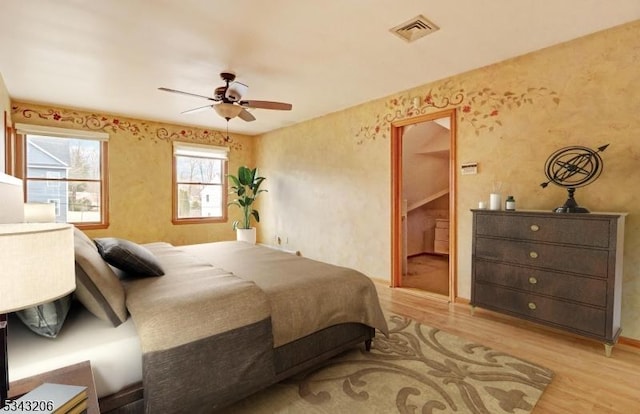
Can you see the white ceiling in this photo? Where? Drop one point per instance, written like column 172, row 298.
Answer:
column 321, row 56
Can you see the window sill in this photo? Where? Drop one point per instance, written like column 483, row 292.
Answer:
column 199, row 220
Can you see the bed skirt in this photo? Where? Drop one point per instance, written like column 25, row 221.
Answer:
column 289, row 360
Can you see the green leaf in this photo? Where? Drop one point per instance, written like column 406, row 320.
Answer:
column 256, row 183
column 235, row 181
column 255, row 215
column 245, row 175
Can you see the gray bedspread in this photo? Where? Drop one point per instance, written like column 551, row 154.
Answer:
column 305, row 295
column 202, row 345
column 208, row 327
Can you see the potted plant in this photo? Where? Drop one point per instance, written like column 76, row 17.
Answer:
column 246, row 188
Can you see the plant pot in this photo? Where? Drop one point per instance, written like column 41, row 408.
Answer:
column 246, row 235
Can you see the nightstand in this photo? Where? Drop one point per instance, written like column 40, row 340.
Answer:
column 77, row 374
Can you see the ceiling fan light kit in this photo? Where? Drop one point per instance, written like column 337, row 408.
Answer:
column 227, row 110
column 229, row 97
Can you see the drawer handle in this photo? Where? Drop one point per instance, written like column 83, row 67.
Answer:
column 533, row 280
column 534, row 227
column 532, row 306
column 533, row 255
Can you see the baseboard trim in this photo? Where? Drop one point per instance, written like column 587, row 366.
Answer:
column 629, row 342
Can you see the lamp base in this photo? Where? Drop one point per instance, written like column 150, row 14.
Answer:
column 570, row 206
column 4, row 363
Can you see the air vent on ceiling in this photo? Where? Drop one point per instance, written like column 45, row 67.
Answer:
column 415, row 28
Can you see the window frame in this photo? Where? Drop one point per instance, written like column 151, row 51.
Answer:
column 22, row 130
column 204, row 149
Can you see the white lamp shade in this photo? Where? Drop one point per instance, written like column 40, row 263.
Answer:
column 39, row 212
column 11, row 194
column 37, row 262
column 227, row 110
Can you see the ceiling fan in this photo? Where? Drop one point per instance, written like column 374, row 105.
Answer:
column 228, row 100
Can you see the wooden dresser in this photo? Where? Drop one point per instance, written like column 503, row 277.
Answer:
column 559, row 269
column 441, row 239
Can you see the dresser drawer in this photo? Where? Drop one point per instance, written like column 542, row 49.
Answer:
column 568, row 315
column 560, row 285
column 560, row 229
column 590, row 262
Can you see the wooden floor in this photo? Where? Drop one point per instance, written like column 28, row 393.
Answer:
column 428, row 272
column 585, row 380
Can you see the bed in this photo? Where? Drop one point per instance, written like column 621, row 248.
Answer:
column 221, row 322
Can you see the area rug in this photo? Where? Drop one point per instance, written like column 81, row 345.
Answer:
column 418, row 369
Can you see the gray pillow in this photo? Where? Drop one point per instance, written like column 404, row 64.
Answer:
column 97, row 287
column 133, row 259
column 46, row 319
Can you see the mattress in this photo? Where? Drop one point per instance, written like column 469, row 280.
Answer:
column 115, row 353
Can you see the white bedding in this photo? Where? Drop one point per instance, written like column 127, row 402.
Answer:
column 115, row 353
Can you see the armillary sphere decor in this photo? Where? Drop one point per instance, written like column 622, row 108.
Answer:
column 573, row 167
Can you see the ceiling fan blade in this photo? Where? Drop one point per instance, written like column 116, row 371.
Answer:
column 236, row 91
column 267, row 105
column 198, row 109
column 187, row 93
column 246, row 115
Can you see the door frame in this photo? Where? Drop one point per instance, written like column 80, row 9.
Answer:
column 397, row 129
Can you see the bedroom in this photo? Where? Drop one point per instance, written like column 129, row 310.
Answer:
column 598, row 101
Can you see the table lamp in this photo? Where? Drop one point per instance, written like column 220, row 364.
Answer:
column 11, row 194
column 36, row 264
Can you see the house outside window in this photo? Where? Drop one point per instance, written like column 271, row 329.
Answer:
column 68, row 168
column 53, row 176
column 200, row 189
column 56, row 203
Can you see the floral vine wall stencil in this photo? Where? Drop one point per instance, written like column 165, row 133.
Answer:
column 114, row 125
column 444, row 96
column 480, row 108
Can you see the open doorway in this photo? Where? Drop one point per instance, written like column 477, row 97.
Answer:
column 423, row 204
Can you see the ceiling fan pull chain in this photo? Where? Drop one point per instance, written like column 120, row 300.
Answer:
column 227, row 139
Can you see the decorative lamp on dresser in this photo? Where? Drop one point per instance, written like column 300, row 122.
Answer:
column 561, row 270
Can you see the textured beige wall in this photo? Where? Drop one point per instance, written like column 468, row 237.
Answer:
column 140, row 157
column 330, row 177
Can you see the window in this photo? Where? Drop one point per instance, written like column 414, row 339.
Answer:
column 53, row 182
column 67, row 167
column 200, row 190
